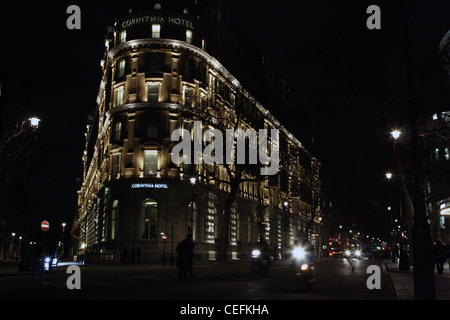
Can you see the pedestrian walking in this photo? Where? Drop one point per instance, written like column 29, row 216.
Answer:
column 185, row 259
column 439, row 256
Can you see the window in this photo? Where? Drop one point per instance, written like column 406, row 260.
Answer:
column 447, row 155
column 203, row 44
column 435, row 116
column 118, row 100
column 114, row 219
column 152, row 127
column 192, row 220
column 115, row 166
column 150, row 162
column 149, row 219
column 123, row 36
column 156, row 31
column 117, row 130
column 211, row 220
column 436, row 153
column 188, row 93
column 157, row 5
column 234, row 225
column 153, row 92
column 121, row 68
column 189, row 36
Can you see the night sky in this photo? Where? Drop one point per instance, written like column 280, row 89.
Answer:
column 342, row 74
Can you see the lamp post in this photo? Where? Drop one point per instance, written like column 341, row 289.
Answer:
column 25, row 257
column 389, row 177
column 193, row 181
column 403, row 263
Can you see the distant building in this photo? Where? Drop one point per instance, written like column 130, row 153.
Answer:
column 162, row 71
column 436, row 132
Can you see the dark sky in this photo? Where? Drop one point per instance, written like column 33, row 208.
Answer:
column 342, row 74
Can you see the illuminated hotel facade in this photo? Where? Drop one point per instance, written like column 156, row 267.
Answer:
column 159, row 74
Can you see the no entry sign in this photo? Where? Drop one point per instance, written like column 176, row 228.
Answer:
column 45, row 225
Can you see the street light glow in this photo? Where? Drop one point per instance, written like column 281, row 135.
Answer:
column 193, row 180
column 388, row 175
column 34, row 122
column 396, row 134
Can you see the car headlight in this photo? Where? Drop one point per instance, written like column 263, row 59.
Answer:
column 304, row 267
column 256, row 253
column 358, row 253
column 347, row 252
column 299, row 253
column 47, row 260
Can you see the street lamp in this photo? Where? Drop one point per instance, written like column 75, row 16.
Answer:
column 34, row 122
column 26, row 258
column 396, row 134
column 389, row 177
column 403, row 263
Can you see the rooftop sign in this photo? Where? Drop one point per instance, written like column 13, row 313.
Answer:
column 156, row 19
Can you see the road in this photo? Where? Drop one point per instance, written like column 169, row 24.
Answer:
column 335, row 280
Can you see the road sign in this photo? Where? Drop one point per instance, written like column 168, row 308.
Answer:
column 45, row 225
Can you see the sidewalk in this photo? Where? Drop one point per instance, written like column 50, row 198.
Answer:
column 403, row 281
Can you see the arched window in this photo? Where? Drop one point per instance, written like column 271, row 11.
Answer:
column 149, row 219
column 234, row 225
column 211, row 220
column 192, row 220
column 114, row 219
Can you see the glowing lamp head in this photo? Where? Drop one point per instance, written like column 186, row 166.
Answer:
column 388, row 175
column 34, row 122
column 193, row 180
column 396, row 134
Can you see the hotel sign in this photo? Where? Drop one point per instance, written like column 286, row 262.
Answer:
column 157, row 19
column 149, row 186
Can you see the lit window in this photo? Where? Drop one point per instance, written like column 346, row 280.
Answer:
column 186, row 11
column 114, row 219
column 156, row 31
column 150, row 162
column 121, row 69
column 158, row 5
column 119, row 97
column 203, row 44
column 123, row 36
column 153, row 92
column 189, row 36
column 149, row 222
column 115, row 166
column 447, row 155
column 436, row 153
column 118, row 130
column 435, row 116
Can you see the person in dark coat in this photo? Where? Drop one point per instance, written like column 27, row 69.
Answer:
column 185, row 259
column 440, row 256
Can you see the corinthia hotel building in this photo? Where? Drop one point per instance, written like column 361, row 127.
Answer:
column 161, row 72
